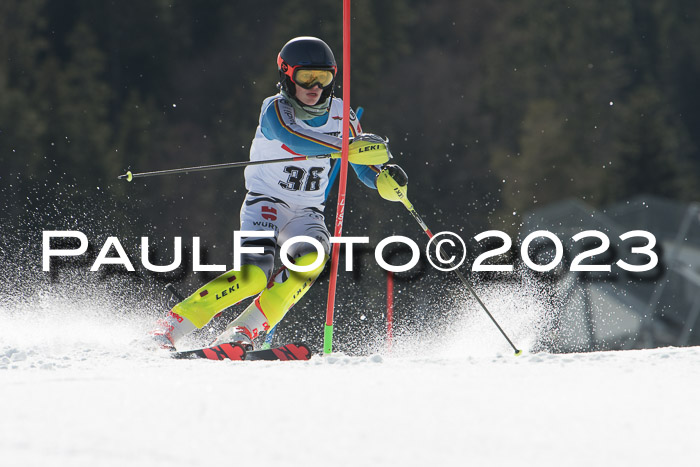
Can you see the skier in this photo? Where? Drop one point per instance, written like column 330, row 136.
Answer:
column 286, row 199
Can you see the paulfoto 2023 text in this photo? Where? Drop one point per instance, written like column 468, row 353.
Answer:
column 647, row 257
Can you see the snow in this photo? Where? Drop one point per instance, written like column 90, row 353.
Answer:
column 75, row 390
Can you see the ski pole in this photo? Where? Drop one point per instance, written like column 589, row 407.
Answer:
column 399, row 194
column 367, row 156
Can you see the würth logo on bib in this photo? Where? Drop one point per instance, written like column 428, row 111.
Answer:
column 269, row 213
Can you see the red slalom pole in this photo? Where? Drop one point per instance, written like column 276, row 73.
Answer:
column 340, row 212
column 389, row 309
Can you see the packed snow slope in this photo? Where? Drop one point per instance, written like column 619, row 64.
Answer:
column 75, row 390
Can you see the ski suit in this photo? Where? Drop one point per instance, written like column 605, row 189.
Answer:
column 288, row 200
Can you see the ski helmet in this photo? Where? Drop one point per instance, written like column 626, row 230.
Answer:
column 307, row 61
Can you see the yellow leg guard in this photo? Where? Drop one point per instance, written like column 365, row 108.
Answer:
column 278, row 299
column 221, row 293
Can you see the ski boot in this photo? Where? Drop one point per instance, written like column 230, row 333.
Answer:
column 236, row 335
column 169, row 330
column 246, row 327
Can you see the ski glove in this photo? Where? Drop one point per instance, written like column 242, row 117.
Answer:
column 369, row 147
column 392, row 183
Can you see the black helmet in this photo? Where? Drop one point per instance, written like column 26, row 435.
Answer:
column 306, row 53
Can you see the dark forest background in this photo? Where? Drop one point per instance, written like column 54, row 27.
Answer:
column 492, row 107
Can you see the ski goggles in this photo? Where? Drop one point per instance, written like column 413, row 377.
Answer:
column 308, row 78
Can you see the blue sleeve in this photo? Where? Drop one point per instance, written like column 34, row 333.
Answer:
column 278, row 124
column 366, row 174
column 368, row 177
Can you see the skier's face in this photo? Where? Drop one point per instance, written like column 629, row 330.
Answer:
column 308, row 96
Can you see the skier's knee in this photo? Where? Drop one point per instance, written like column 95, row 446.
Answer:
column 312, row 258
column 301, row 248
column 264, row 260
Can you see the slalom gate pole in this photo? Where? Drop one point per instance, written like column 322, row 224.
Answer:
column 328, row 329
column 466, row 283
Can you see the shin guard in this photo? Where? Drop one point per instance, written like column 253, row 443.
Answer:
column 279, row 297
column 221, row 293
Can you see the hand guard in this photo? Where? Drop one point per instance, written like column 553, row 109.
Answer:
column 392, row 183
column 368, row 146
